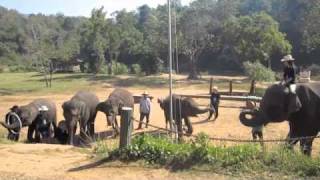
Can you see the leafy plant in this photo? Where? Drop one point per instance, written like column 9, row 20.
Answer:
column 258, row 72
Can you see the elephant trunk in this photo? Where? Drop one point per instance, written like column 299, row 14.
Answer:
column 197, row 110
column 256, row 119
column 15, row 125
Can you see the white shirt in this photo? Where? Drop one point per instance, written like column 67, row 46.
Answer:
column 145, row 105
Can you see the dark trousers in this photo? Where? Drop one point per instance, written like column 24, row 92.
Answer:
column 257, row 134
column 215, row 111
column 142, row 115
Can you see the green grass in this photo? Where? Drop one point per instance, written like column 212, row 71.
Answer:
column 199, row 154
column 25, row 83
column 15, row 83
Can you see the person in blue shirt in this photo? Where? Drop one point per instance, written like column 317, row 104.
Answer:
column 214, row 103
column 145, row 109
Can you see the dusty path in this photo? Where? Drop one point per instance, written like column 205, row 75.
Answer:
column 44, row 161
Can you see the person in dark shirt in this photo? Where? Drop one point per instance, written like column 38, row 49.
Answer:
column 290, row 71
column 214, row 103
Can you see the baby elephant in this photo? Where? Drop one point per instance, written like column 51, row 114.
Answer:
column 61, row 132
column 81, row 108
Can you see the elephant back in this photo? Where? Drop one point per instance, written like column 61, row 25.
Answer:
column 121, row 97
column 88, row 98
column 52, row 109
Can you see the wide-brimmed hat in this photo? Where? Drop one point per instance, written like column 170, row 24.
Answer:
column 145, row 93
column 215, row 89
column 287, row 58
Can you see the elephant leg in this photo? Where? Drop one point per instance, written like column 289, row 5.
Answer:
column 31, row 130
column 306, row 146
column 37, row 135
column 117, row 129
column 290, row 142
column 188, row 124
column 91, row 125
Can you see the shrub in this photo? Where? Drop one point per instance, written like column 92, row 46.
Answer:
column 258, row 72
column 119, row 68
column 136, row 69
column 2, row 69
column 239, row 158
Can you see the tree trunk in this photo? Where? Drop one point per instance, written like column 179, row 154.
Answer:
column 193, row 74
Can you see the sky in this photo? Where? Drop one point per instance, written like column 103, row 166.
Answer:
column 77, row 7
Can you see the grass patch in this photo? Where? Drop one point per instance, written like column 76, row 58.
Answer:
column 199, row 154
column 26, row 83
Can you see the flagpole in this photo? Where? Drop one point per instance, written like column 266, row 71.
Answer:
column 170, row 63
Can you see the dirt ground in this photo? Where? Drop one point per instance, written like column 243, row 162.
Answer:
column 47, row 161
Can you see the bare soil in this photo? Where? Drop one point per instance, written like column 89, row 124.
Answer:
column 48, row 161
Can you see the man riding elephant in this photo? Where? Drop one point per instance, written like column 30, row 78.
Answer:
column 301, row 110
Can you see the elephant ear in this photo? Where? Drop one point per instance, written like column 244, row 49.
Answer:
column 294, row 103
column 14, row 108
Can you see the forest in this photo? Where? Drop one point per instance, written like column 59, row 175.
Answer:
column 213, row 36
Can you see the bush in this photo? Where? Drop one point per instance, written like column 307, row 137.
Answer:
column 20, row 68
column 2, row 69
column 136, row 69
column 119, row 68
column 243, row 158
column 258, row 72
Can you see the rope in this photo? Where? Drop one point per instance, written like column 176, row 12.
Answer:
column 239, row 140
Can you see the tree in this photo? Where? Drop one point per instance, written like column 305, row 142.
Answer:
column 93, row 43
column 195, row 37
column 254, row 38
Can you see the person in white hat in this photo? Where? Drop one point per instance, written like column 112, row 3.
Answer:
column 145, row 109
column 214, row 103
column 290, row 70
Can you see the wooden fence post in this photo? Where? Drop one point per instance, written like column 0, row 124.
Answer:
column 210, row 88
column 253, row 87
column 230, row 87
column 126, row 127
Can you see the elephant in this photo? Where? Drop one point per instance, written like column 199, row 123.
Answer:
column 61, row 132
column 182, row 108
column 80, row 108
column 300, row 108
column 30, row 115
column 112, row 106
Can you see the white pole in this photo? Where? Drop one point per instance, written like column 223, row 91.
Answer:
column 175, row 36
column 170, row 63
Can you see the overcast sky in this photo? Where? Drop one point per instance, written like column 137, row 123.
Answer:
column 77, row 7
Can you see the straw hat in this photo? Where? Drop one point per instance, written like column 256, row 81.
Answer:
column 214, row 89
column 287, row 58
column 145, row 93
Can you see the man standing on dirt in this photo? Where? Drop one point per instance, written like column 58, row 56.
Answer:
column 214, row 103
column 145, row 108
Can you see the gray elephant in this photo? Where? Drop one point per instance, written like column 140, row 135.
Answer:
column 182, row 108
column 31, row 115
column 112, row 106
column 81, row 108
column 300, row 109
column 61, row 132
